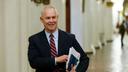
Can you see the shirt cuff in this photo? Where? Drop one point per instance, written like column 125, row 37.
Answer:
column 55, row 62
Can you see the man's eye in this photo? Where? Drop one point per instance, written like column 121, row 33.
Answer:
column 47, row 17
column 54, row 17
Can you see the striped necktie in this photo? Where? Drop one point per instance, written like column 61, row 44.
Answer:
column 53, row 47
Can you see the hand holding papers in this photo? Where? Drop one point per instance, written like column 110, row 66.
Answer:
column 73, row 59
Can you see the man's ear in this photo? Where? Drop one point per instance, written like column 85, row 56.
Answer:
column 41, row 18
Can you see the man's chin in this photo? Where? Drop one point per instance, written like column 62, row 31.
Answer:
column 52, row 30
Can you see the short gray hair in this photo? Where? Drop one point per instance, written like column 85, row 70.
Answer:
column 49, row 7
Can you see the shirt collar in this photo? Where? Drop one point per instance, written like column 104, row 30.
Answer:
column 54, row 33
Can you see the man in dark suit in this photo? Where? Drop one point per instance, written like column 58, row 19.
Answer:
column 122, row 31
column 123, row 28
column 39, row 51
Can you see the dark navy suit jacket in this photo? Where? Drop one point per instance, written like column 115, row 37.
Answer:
column 39, row 52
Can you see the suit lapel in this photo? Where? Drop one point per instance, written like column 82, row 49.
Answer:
column 60, row 43
column 44, row 43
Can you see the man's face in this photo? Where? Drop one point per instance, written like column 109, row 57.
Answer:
column 126, row 18
column 49, row 18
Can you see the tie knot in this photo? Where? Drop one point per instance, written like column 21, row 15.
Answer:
column 51, row 35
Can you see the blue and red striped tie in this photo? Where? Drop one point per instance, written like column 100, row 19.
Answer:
column 53, row 47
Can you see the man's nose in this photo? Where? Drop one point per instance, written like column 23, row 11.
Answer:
column 51, row 19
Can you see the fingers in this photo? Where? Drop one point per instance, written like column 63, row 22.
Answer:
column 67, row 71
column 62, row 58
column 73, row 68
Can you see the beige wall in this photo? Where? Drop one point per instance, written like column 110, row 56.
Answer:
column 2, row 56
column 98, row 21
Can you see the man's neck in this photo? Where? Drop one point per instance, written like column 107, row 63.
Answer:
column 51, row 31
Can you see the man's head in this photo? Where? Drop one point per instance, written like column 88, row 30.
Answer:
column 49, row 18
column 126, row 17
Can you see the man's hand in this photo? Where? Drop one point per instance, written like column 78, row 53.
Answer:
column 61, row 59
column 73, row 69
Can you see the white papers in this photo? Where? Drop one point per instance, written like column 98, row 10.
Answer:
column 73, row 59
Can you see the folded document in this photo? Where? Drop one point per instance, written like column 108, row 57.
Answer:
column 73, row 59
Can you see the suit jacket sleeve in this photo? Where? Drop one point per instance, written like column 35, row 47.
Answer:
column 36, row 61
column 84, row 60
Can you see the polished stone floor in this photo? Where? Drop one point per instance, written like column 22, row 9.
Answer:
column 110, row 58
